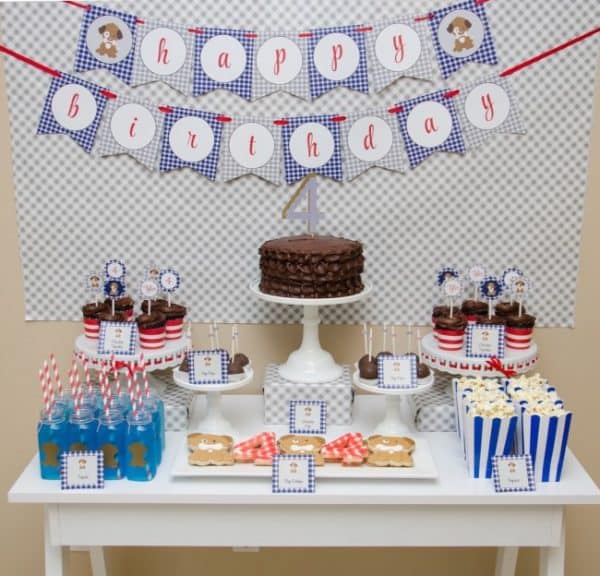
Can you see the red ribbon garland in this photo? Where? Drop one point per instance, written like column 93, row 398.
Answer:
column 118, row 364
column 495, row 364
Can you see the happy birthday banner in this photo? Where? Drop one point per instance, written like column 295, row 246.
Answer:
column 340, row 147
column 366, row 57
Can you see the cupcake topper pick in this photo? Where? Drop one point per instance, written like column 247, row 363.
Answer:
column 149, row 291
column 113, row 289
column 445, row 274
column 169, row 281
column 491, row 289
column 93, row 283
column 476, row 275
column 153, row 272
column 508, row 277
column 452, row 289
column 115, row 270
column 519, row 289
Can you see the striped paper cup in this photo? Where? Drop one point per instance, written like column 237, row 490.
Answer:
column 486, row 438
column 91, row 328
column 518, row 338
column 174, row 328
column 546, row 438
column 450, row 340
column 152, row 338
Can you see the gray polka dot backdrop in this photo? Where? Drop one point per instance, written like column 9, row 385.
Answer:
column 516, row 200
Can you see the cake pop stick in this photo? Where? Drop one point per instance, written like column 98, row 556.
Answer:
column 216, row 333
column 419, row 343
column 370, row 343
column 394, row 340
column 365, row 337
column 409, row 337
column 384, row 330
column 211, row 338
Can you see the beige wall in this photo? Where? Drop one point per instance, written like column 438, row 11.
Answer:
column 565, row 359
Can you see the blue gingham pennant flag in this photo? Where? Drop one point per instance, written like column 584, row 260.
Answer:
column 461, row 33
column 371, row 139
column 106, row 40
column 73, row 107
column 311, row 144
column 280, row 64
column 164, row 52
column 429, row 124
column 251, row 146
column 190, row 143
column 223, row 59
column 488, row 107
column 133, row 128
column 398, row 48
column 337, row 57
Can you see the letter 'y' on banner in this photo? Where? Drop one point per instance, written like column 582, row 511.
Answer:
column 461, row 33
column 106, row 40
column 488, row 107
column 73, row 107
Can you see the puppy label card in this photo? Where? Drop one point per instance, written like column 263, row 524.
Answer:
column 513, row 474
column 82, row 470
column 485, row 341
column 293, row 474
column 308, row 417
column 118, row 338
column 397, row 372
column 208, row 367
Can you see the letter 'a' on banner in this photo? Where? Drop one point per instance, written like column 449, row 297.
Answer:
column 191, row 138
column 337, row 57
column 133, row 128
column 251, row 146
column 461, row 33
column 223, row 59
column 73, row 107
column 106, row 40
column 398, row 48
column 488, row 107
column 429, row 124
column 311, row 144
column 165, row 53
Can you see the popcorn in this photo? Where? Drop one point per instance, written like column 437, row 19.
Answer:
column 478, row 383
column 526, row 383
column 494, row 409
column 545, row 409
column 534, row 395
column 483, row 395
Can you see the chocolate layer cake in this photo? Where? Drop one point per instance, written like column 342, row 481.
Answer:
column 311, row 267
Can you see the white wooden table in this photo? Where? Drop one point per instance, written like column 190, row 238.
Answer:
column 452, row 510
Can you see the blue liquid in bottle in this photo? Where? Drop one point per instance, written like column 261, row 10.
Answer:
column 52, row 442
column 141, row 448
column 112, row 440
column 82, row 434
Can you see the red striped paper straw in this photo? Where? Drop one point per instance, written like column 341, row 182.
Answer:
column 145, row 377
column 130, row 385
column 49, row 387
column 86, row 371
column 44, row 392
column 59, row 386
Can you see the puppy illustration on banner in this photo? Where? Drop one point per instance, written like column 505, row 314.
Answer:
column 191, row 138
column 73, row 107
column 223, row 59
column 396, row 49
column 106, row 40
column 280, row 64
column 165, row 53
column 311, row 144
column 251, row 146
column 428, row 124
column 461, row 33
column 372, row 140
column 133, row 128
column 337, row 57
column 488, row 107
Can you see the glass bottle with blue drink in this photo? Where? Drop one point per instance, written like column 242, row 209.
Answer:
column 141, row 446
column 112, row 440
column 52, row 441
column 82, row 434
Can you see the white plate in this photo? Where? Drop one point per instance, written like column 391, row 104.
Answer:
column 423, row 384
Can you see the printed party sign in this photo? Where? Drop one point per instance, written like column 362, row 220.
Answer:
column 308, row 417
column 82, row 470
column 397, row 372
column 293, row 474
column 118, row 338
column 485, row 341
column 513, row 473
column 208, row 367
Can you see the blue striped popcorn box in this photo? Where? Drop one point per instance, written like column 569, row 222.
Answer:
column 545, row 437
column 485, row 438
column 462, row 388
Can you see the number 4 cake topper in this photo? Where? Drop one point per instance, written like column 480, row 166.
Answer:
column 306, row 191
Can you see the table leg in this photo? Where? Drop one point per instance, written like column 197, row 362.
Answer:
column 506, row 561
column 97, row 561
column 56, row 558
column 552, row 560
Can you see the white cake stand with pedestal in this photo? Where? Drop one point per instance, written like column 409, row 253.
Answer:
column 211, row 420
column 398, row 419
column 310, row 363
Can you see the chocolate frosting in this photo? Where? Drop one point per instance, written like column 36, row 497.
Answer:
column 108, row 317
column 457, row 322
column 496, row 320
column 440, row 311
column 122, row 304
column 92, row 310
column 474, row 307
column 522, row 321
column 507, row 309
column 156, row 304
column 154, row 320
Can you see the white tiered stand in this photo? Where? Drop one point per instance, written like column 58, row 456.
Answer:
column 310, row 363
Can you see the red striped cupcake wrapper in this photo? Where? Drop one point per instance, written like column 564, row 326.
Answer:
column 152, row 338
column 174, row 328
column 91, row 328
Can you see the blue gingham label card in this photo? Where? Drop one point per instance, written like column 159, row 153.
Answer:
column 107, row 40
column 293, row 474
column 82, row 470
column 513, row 473
column 485, row 341
column 397, row 372
column 461, row 33
column 308, row 417
column 208, row 367
column 118, row 338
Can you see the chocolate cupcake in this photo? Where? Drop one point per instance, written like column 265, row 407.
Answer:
column 92, row 309
column 458, row 322
column 450, row 332
column 522, row 321
column 519, row 331
column 473, row 308
column 505, row 309
column 155, row 319
column 157, row 304
column 91, row 322
column 175, row 314
column 440, row 311
column 495, row 320
column 108, row 316
column 123, row 305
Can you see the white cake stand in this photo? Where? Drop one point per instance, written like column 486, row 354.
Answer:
column 212, row 420
column 310, row 363
column 398, row 419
